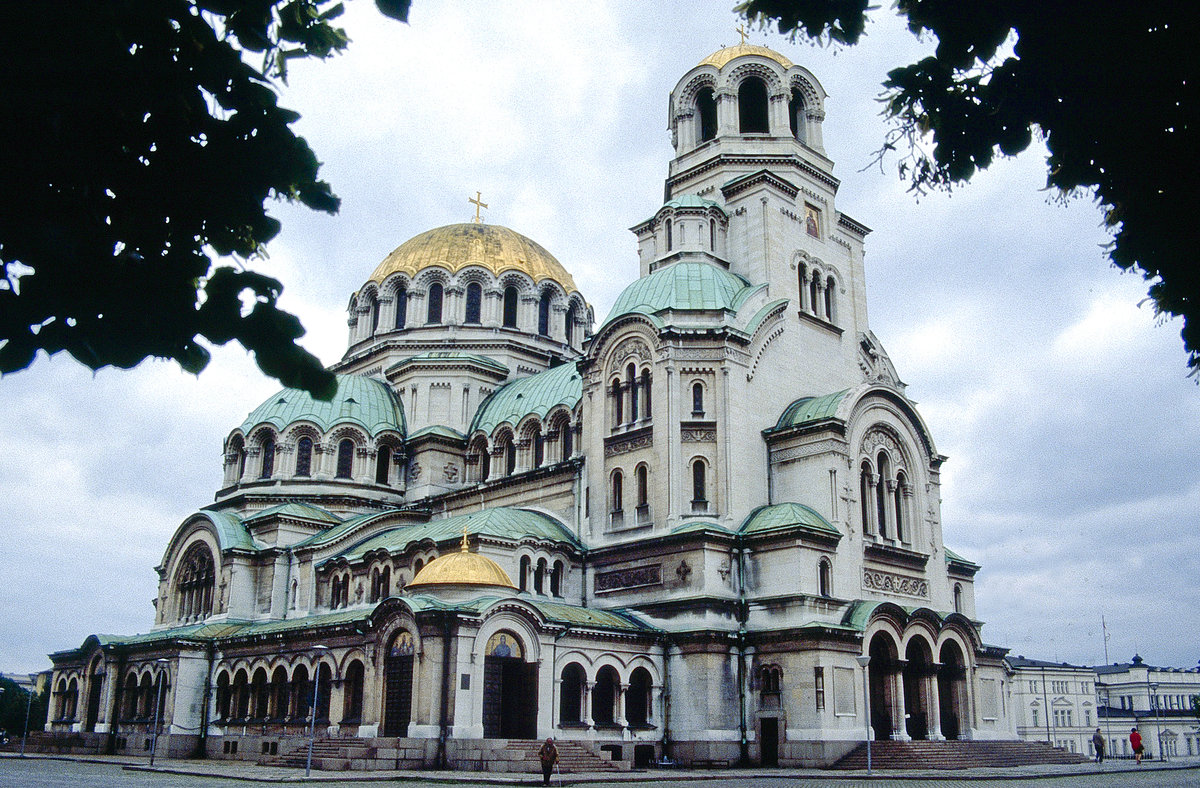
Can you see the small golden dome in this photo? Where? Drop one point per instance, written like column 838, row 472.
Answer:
column 462, row 568
column 491, row 246
column 724, row 55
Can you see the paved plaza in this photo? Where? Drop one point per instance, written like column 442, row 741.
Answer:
column 56, row 772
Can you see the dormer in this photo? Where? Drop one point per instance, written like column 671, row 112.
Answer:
column 687, row 229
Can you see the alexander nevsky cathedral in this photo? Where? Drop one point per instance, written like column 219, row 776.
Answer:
column 675, row 532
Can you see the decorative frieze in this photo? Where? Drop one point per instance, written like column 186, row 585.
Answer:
column 889, row 583
column 630, row 441
column 698, row 434
column 632, row 577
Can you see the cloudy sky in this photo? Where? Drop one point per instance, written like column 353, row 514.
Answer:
column 1064, row 407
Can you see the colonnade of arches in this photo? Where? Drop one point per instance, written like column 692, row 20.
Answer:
column 630, row 396
column 284, row 694
column 817, row 292
column 924, row 694
column 605, row 697
column 885, row 495
column 303, row 452
column 535, row 442
column 472, row 296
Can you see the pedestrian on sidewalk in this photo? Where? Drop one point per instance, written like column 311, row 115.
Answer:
column 1135, row 742
column 549, row 756
column 1098, row 743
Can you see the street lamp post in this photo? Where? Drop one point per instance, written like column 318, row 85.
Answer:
column 1162, row 754
column 1104, row 696
column 162, row 688
column 863, row 662
column 28, row 707
column 312, row 722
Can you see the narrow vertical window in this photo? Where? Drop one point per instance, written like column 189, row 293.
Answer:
column 567, row 440
column 829, row 299
column 819, row 687
column 697, row 399
column 699, row 494
column 645, row 394
column 864, row 495
column 706, row 108
column 510, row 307
column 485, row 464
column 304, row 452
column 617, row 492
column 813, row 297
column 632, row 387
column 801, row 276
column 618, row 403
column 796, row 115
column 569, row 325
column 345, row 459
column 474, row 303
column 382, row 459
column 712, row 235
column 544, row 314
column 898, row 501
column 433, row 313
column 539, row 449
column 526, row 567
column 374, row 316
column 670, row 239
column 881, row 497
column 752, row 107
column 401, row 306
column 643, row 486
column 958, row 607
column 510, row 458
column 268, row 459
column 824, row 578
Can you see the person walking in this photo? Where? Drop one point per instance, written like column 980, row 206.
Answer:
column 1135, row 742
column 549, row 756
column 1098, row 744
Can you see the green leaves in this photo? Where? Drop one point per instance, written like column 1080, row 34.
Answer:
column 123, row 183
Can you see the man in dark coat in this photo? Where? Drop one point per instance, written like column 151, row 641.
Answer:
column 549, row 756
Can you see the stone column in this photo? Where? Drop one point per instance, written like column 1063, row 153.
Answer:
column 901, row 733
column 935, row 704
column 619, row 717
column 586, row 716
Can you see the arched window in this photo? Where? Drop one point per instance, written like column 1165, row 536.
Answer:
column 670, row 237
column 556, row 578
column 345, row 458
column 801, row 277
column 374, row 307
column 131, row 695
column 813, row 298
column 958, row 606
column 706, row 108
column 643, row 486
column 526, row 571
column 712, row 235
column 279, row 693
column 645, row 394
column 881, row 498
column 241, row 695
column 194, row 583
column 510, row 458
column 569, row 325
column 539, row 576
column 240, row 449
column 539, row 449
column 864, row 495
column 260, row 692
column 770, row 679
column 544, row 314
column 474, row 303
column 352, row 693
column 752, row 107
column 697, row 399
column 510, row 307
column 433, row 313
column 485, row 464
column 268, row 459
column 301, row 699
column 604, row 695
column 618, row 403
column 567, row 436
column 401, row 306
column 570, row 704
column 632, row 387
column 223, row 697
column 617, row 502
column 796, row 115
column 383, row 459
column 898, row 505
column 824, row 577
column 304, row 452
column 699, row 493
column 829, row 288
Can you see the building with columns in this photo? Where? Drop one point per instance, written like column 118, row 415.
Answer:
column 671, row 532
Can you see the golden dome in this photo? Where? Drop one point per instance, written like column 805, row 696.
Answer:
column 455, row 246
column 725, row 54
column 462, row 568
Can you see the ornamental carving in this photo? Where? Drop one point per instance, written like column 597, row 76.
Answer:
column 635, row 441
column 450, row 472
column 880, row 437
column 633, row 577
column 889, row 583
column 700, row 435
column 630, row 347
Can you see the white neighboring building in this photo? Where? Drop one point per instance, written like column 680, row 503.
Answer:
column 1163, row 703
column 684, row 528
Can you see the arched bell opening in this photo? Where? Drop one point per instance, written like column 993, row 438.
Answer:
column 510, row 697
column 918, row 672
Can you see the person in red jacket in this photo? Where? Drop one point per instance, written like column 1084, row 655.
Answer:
column 1135, row 741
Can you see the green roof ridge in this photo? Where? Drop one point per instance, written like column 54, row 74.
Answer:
column 787, row 515
column 683, row 286
column 809, row 409
column 368, row 402
column 537, row 394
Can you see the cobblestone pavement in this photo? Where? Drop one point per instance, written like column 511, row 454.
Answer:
column 58, row 773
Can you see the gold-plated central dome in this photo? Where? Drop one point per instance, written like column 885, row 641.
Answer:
column 723, row 56
column 491, row 246
column 462, row 568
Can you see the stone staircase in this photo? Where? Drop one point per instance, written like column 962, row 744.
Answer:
column 327, row 755
column 955, row 755
column 573, row 757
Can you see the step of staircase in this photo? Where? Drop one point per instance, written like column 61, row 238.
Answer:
column 573, row 757
column 520, row 755
column 956, row 755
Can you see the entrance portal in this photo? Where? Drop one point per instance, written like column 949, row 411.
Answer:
column 917, row 671
column 883, row 685
column 509, row 690
column 93, row 707
column 397, row 685
column 951, row 681
column 768, row 730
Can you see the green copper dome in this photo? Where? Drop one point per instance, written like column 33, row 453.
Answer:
column 366, row 402
column 687, row 286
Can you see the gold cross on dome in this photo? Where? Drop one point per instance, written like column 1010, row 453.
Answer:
column 478, row 202
column 741, row 31
column 464, row 539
